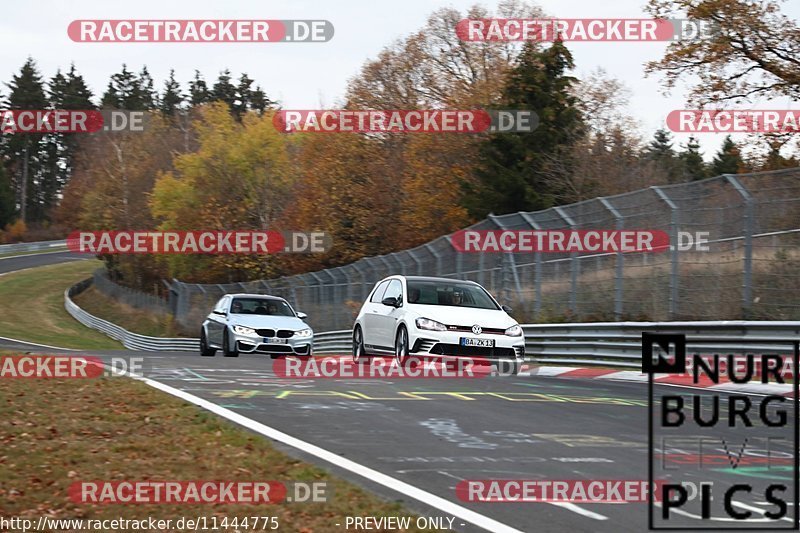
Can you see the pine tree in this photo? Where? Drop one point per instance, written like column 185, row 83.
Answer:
column 128, row 91
column 662, row 154
column 223, row 90
column 728, row 160
column 198, row 90
column 244, row 94
column 8, row 207
column 259, row 101
column 693, row 165
column 171, row 99
column 513, row 172
column 24, row 150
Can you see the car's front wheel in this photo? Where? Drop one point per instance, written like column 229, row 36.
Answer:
column 401, row 346
column 227, row 351
column 358, row 345
column 205, row 351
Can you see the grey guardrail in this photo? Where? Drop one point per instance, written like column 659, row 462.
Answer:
column 132, row 341
column 31, row 246
column 619, row 344
column 614, row 344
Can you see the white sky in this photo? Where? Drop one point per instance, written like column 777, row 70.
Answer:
column 308, row 75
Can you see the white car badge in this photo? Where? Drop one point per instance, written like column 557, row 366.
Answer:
column 476, row 329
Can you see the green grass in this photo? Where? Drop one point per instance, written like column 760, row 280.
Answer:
column 32, row 307
column 135, row 320
column 55, row 432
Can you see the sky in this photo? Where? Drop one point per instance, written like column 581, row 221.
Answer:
column 312, row 75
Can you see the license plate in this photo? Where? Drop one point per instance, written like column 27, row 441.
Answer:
column 274, row 340
column 482, row 343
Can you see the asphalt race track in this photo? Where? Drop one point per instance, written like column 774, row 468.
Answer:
column 432, row 433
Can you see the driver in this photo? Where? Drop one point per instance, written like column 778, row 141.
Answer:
column 236, row 307
column 457, row 297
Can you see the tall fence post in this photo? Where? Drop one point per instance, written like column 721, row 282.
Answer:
column 674, row 260
column 574, row 266
column 618, row 274
column 749, row 220
column 537, row 273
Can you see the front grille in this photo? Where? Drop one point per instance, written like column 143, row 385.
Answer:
column 441, row 348
column 281, row 333
column 468, row 329
column 275, row 348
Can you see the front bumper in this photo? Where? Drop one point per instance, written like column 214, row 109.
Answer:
column 448, row 344
column 256, row 344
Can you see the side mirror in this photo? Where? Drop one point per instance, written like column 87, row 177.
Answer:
column 507, row 309
column 391, row 301
column 301, row 316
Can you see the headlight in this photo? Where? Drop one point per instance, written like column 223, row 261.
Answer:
column 243, row 330
column 303, row 333
column 427, row 323
column 514, row 331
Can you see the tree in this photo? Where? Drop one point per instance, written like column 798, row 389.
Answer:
column 514, row 173
column 171, row 99
column 728, row 160
column 198, row 90
column 128, row 91
column 223, row 90
column 25, row 149
column 661, row 153
column 693, row 165
column 8, row 207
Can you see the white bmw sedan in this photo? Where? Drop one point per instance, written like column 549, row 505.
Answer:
column 436, row 317
column 255, row 323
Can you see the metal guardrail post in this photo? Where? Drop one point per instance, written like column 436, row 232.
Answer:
column 674, row 279
column 749, row 220
column 459, row 259
column 437, row 256
column 574, row 266
column 416, row 260
column 618, row 274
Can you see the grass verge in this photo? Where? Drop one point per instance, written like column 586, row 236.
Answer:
column 135, row 320
column 32, row 307
column 56, row 432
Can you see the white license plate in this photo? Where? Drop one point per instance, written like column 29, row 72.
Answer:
column 274, row 340
column 482, row 343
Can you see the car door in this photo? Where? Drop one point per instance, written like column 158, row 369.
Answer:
column 217, row 321
column 371, row 310
column 387, row 316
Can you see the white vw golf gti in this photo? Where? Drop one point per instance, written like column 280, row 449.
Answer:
column 436, row 317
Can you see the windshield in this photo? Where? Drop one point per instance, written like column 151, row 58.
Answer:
column 260, row 306
column 451, row 293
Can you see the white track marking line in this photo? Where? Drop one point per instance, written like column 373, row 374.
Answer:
column 373, row 475
column 580, row 510
column 40, row 253
column 41, row 345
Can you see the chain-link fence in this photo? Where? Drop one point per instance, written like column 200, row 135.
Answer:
column 748, row 272
column 138, row 299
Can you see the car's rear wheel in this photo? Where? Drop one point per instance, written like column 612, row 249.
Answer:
column 227, row 351
column 401, row 346
column 358, row 345
column 205, row 351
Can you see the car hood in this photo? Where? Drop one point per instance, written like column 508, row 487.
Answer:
column 265, row 321
column 464, row 316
